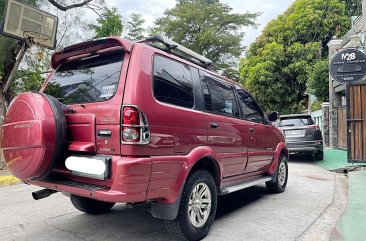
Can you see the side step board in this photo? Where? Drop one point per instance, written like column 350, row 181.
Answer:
column 227, row 190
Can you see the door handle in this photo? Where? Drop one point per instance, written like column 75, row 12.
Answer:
column 214, row 125
column 353, row 120
column 252, row 130
column 104, row 134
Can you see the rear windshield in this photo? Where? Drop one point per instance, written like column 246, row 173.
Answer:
column 296, row 121
column 91, row 79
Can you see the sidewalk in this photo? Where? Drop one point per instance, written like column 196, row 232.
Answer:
column 336, row 159
column 353, row 221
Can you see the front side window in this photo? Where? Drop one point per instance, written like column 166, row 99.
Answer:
column 223, row 100
column 173, row 82
column 91, row 79
column 250, row 109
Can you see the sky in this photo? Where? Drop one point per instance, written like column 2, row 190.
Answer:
column 152, row 9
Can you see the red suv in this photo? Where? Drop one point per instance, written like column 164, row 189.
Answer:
column 143, row 123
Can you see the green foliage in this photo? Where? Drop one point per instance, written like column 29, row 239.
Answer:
column 278, row 65
column 209, row 28
column 317, row 105
column 8, row 47
column 135, row 29
column 318, row 83
column 29, row 79
column 354, row 7
column 108, row 24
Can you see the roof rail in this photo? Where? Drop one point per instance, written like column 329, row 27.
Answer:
column 178, row 50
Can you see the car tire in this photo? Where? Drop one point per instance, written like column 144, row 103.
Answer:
column 195, row 217
column 90, row 206
column 319, row 156
column 281, row 177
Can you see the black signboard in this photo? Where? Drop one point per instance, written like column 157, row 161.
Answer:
column 348, row 66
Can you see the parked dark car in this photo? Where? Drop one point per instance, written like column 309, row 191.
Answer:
column 302, row 135
column 143, row 125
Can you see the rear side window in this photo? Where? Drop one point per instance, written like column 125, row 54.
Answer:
column 173, row 82
column 87, row 80
column 250, row 109
column 223, row 100
column 206, row 96
column 296, row 121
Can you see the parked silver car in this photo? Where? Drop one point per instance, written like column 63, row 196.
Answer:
column 302, row 135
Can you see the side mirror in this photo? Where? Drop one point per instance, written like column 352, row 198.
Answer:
column 273, row 116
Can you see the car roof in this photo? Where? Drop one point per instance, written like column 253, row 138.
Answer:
column 292, row 116
column 209, row 71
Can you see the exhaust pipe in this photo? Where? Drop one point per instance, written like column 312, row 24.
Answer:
column 42, row 193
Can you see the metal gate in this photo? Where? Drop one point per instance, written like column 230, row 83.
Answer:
column 356, row 122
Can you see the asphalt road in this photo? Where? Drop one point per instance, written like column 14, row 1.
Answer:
column 251, row 214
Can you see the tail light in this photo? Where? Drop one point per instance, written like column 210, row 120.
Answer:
column 316, row 127
column 135, row 128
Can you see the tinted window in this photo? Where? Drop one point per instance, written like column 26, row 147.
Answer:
column 206, row 96
column 222, row 98
column 86, row 80
column 173, row 82
column 250, row 109
column 296, row 121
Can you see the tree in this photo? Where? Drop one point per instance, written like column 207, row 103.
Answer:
column 209, row 28
column 94, row 5
column 318, row 83
column 9, row 46
column 30, row 78
column 278, row 65
column 8, row 50
column 354, row 7
column 109, row 24
column 135, row 29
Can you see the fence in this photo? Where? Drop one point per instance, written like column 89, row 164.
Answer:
column 318, row 118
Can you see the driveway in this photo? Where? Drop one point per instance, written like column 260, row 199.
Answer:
column 251, row 214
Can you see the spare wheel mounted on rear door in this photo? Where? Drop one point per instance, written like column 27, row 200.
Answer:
column 33, row 135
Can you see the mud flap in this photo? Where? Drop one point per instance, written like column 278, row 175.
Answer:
column 166, row 211
column 274, row 176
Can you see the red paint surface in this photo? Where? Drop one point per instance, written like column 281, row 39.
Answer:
column 179, row 137
column 28, row 136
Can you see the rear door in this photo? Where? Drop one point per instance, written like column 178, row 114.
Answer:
column 261, row 144
column 226, row 131
column 92, row 87
column 300, row 129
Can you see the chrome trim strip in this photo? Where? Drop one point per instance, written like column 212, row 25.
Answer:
column 244, row 185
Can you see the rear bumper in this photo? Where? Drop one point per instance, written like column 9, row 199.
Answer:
column 128, row 183
column 305, row 146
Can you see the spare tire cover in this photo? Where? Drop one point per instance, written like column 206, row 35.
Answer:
column 33, row 135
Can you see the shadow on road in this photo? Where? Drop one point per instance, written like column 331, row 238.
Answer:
column 123, row 223
column 301, row 158
column 237, row 200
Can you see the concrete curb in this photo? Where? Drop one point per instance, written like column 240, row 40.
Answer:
column 324, row 227
column 8, row 180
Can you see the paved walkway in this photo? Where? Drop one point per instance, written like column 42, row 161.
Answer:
column 353, row 222
column 336, row 159
column 248, row 215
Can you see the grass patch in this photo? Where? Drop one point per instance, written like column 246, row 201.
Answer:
column 8, row 180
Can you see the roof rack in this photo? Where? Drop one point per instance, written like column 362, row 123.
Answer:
column 178, row 50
